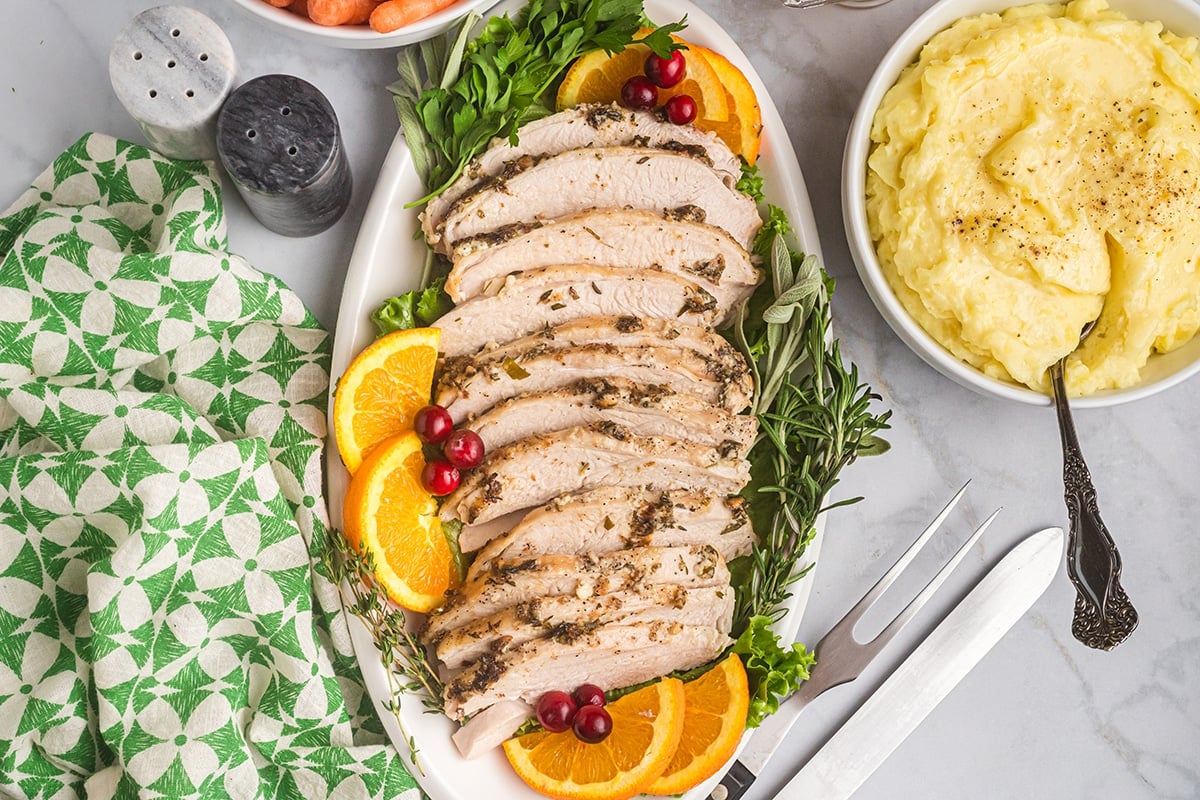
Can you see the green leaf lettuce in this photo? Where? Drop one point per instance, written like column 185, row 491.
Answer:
column 774, row 673
column 414, row 309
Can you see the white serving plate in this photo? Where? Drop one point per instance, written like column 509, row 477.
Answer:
column 387, row 260
column 1162, row 371
column 362, row 37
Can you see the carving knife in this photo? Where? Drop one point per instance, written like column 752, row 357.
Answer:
column 935, row 667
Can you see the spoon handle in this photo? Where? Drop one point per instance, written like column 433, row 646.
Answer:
column 1104, row 617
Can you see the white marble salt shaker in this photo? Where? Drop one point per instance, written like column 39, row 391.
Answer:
column 172, row 68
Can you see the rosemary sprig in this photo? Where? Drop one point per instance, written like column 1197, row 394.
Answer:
column 814, row 417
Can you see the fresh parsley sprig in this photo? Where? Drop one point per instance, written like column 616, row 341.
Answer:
column 455, row 94
column 751, row 182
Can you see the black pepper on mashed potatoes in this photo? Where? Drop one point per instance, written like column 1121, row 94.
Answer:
column 1035, row 170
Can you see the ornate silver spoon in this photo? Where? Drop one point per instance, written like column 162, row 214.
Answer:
column 1104, row 617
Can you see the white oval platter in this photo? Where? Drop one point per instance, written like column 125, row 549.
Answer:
column 387, row 261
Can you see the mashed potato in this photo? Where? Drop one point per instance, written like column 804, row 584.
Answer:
column 1035, row 170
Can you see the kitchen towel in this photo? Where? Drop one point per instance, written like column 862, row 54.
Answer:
column 167, row 625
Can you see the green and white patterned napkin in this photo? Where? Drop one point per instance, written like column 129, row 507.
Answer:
column 166, row 626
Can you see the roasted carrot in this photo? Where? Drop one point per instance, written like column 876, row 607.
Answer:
column 340, row 12
column 299, row 7
column 280, row 3
column 392, row 14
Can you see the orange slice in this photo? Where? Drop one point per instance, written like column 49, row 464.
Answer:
column 388, row 514
column 646, row 728
column 742, row 130
column 714, row 718
column 381, row 391
column 597, row 77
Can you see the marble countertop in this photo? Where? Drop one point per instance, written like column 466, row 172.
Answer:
column 1041, row 716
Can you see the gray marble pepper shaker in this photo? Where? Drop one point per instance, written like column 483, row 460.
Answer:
column 172, row 68
column 279, row 140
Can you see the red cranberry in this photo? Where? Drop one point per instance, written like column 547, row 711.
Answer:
column 592, row 724
column 639, row 92
column 433, row 424
column 440, row 478
column 681, row 109
column 589, row 694
column 556, row 711
column 666, row 72
column 463, row 449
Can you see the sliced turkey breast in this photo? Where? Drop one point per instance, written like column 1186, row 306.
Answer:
column 625, row 330
column 611, row 656
column 530, row 301
column 569, row 616
column 611, row 518
column 620, row 238
column 534, row 471
column 590, row 125
column 468, row 393
column 508, row 582
column 644, row 410
column 473, row 537
column 491, row 727
column 567, row 183
column 718, row 355
column 609, row 237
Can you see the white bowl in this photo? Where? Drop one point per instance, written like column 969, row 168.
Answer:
column 1161, row 372
column 362, row 37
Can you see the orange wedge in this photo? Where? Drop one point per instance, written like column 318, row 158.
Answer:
column 381, row 391
column 647, row 725
column 388, row 514
column 714, row 718
column 597, row 77
column 742, row 130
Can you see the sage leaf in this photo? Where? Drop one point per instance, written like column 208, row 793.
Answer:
column 408, row 66
column 459, row 38
column 414, row 134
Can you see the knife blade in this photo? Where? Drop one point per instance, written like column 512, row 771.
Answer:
column 935, row 667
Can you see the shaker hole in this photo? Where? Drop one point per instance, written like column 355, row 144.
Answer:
column 171, row 64
column 285, row 111
column 250, row 134
column 153, row 94
column 292, row 150
column 175, row 32
column 204, row 56
column 137, row 56
column 190, row 93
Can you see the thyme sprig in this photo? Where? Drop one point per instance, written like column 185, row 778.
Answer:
column 404, row 660
column 814, row 415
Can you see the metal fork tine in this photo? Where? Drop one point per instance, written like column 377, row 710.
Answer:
column 844, row 656
column 902, row 563
column 902, row 619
